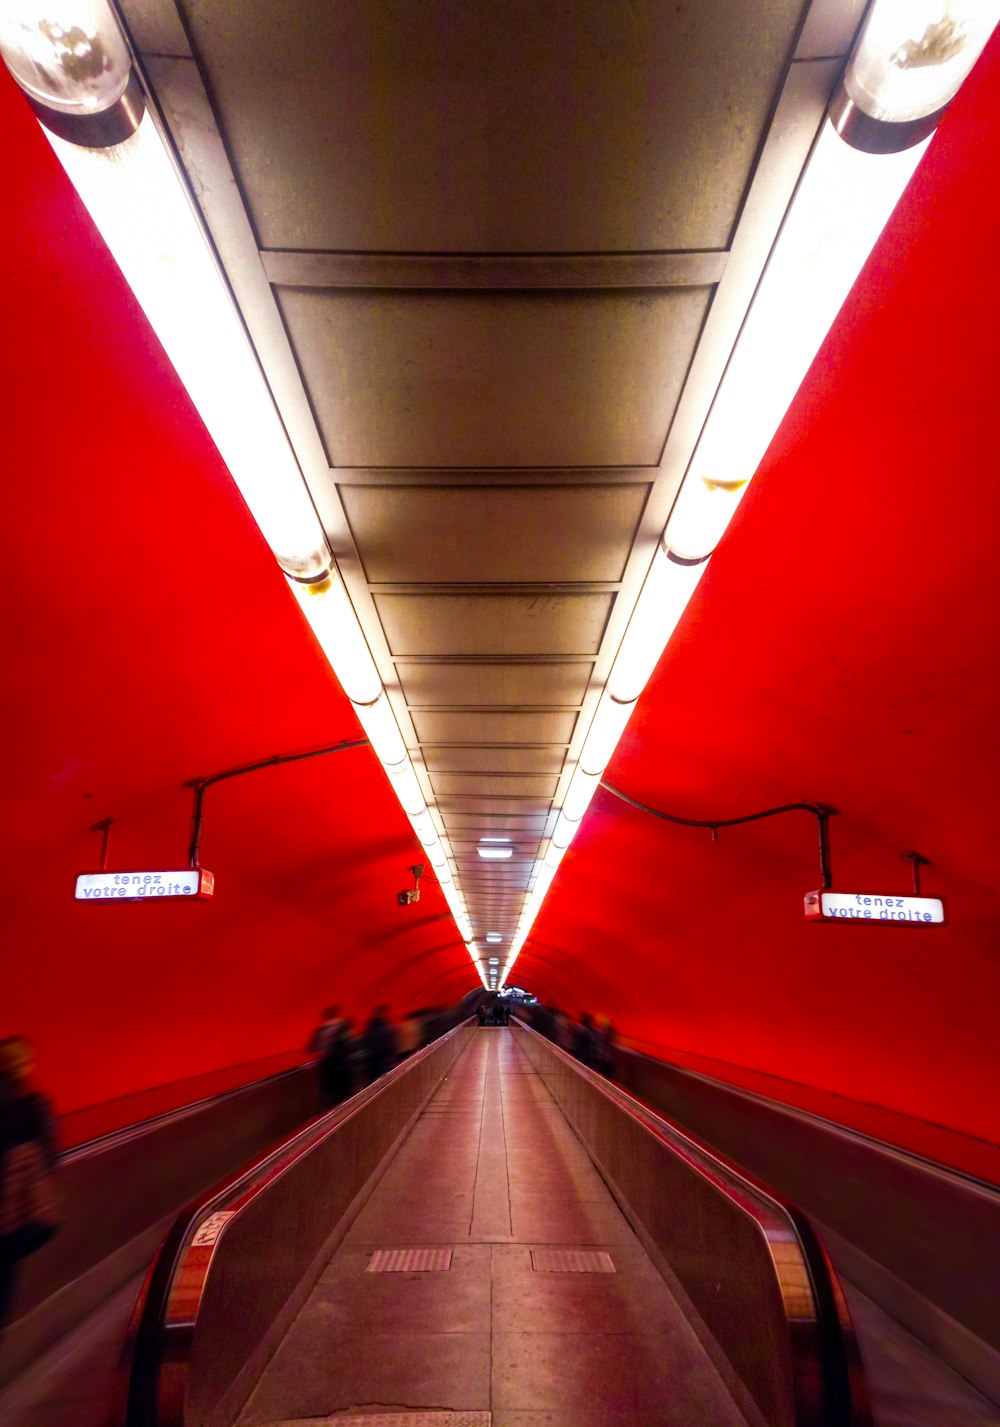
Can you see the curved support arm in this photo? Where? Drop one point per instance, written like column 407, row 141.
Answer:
column 820, row 811
column 200, row 785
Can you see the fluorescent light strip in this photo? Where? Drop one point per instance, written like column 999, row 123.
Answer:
column 843, row 201
column 333, row 621
column 136, row 197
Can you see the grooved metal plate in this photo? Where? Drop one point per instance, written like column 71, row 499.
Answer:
column 410, row 1261
column 571, row 1261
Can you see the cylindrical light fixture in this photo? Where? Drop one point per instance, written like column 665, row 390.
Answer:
column 908, row 64
column 74, row 66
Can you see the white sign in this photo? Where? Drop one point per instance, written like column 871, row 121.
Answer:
column 192, row 882
column 872, row 907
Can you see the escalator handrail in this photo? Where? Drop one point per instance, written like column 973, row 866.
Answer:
column 153, row 1370
column 829, row 1381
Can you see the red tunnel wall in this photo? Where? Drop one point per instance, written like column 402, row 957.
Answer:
column 150, row 639
column 841, row 648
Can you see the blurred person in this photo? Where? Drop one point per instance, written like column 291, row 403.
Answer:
column 410, row 1034
column 436, row 1022
column 331, row 1041
column 604, row 1047
column 584, row 1040
column 562, row 1029
column 543, row 1020
column 28, row 1216
column 377, row 1045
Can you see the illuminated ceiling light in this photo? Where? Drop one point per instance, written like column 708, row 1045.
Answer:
column 582, row 788
column 494, row 937
column 328, row 609
column 909, row 62
column 564, row 831
column 495, row 849
column 844, row 199
column 423, row 826
column 553, row 856
column 610, row 718
column 668, row 587
column 73, row 67
column 494, row 961
column 438, row 856
column 379, row 723
column 405, row 785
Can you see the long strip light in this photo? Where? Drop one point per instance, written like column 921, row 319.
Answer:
column 70, row 59
column 909, row 62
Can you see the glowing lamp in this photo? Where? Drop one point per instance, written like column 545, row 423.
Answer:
column 908, row 64
column 494, row 849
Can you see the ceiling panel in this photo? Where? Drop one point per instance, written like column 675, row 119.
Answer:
column 494, row 726
column 473, row 379
column 465, row 758
column 515, row 825
column 553, row 684
column 484, row 534
column 525, row 785
column 519, row 624
column 412, row 125
column 477, row 805
column 515, row 874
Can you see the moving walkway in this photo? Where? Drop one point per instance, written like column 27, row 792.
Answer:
column 491, row 1234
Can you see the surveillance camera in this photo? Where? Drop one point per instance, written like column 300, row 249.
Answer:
column 405, row 898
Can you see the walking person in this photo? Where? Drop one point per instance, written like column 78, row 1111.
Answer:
column 332, row 1043
column 378, row 1045
column 28, row 1216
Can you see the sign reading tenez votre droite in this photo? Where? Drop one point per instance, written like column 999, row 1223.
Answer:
column 192, row 882
column 874, row 907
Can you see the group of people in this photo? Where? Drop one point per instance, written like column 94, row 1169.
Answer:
column 493, row 1010
column 348, row 1060
column 590, row 1039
